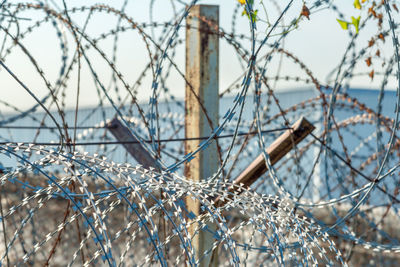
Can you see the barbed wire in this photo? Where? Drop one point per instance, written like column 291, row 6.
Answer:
column 71, row 194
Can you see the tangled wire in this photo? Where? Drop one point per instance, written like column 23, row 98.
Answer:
column 71, row 195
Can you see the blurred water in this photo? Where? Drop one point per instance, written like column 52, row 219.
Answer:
column 172, row 126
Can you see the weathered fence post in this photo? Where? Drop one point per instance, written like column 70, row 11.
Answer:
column 276, row 151
column 202, row 67
column 131, row 144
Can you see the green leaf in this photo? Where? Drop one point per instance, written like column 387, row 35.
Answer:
column 356, row 22
column 253, row 16
column 357, row 4
column 343, row 24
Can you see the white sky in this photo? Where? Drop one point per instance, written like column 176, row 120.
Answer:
column 319, row 42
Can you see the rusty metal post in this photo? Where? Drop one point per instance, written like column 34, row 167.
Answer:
column 202, row 67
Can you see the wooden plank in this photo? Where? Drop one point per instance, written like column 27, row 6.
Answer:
column 276, row 151
column 131, row 144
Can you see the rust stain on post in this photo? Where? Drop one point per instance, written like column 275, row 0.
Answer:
column 202, row 67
